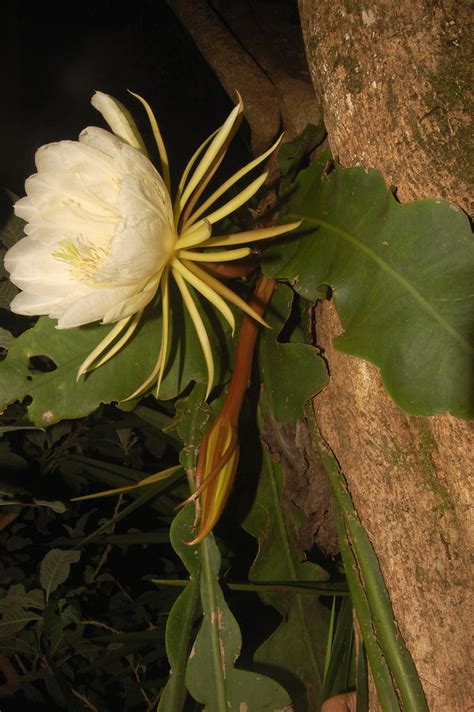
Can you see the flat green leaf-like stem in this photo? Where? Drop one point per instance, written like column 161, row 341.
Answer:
column 291, row 372
column 211, row 675
column 182, row 616
column 58, row 394
column 389, row 658
column 401, row 276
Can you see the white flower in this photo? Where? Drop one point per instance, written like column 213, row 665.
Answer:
column 102, row 235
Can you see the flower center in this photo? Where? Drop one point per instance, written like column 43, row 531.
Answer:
column 84, row 258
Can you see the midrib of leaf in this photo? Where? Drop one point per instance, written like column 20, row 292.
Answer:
column 213, row 622
column 23, row 617
column 388, row 269
column 52, row 576
column 281, row 524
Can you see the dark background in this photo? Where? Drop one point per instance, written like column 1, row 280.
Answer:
column 55, row 55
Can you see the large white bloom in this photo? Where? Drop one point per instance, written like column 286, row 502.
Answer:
column 102, row 235
column 93, row 213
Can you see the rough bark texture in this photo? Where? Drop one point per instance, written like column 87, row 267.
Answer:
column 306, row 484
column 396, row 81
column 391, row 77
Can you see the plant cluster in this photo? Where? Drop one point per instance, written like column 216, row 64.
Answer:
column 110, row 596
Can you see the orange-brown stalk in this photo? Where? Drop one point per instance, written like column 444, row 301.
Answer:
column 219, row 451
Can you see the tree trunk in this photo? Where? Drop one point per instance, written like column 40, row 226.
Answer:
column 392, row 79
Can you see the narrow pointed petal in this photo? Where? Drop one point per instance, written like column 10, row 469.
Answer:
column 223, row 256
column 165, row 307
column 225, row 132
column 119, row 119
column 224, row 291
column 238, row 201
column 230, row 182
column 158, row 369
column 187, row 171
column 100, row 348
column 148, row 382
column 200, row 233
column 242, row 238
column 150, row 480
column 199, row 326
column 122, row 341
column 206, row 291
column 165, row 166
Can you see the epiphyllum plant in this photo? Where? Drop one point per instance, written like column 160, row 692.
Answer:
column 103, row 235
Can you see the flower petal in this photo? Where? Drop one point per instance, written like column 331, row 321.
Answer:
column 224, row 291
column 220, row 139
column 221, row 256
column 135, row 302
column 101, row 347
column 229, row 183
column 165, row 166
column 237, row 201
column 32, row 304
column 206, row 291
column 119, row 119
column 242, row 238
column 200, row 328
column 98, row 302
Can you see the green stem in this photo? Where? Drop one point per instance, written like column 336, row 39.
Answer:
column 210, row 606
column 370, row 596
column 301, row 587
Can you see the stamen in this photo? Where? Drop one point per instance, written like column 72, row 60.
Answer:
column 84, row 257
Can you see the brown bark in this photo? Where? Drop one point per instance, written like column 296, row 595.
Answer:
column 262, row 57
column 396, row 82
column 379, row 68
column 235, row 68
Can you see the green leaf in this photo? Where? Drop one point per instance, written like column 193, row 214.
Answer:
column 211, row 676
column 296, row 648
column 58, row 395
column 186, row 609
column 402, row 278
column 340, row 673
column 12, row 227
column 25, row 643
column 15, row 618
column 7, row 292
column 291, row 373
column 6, row 338
column 53, row 629
column 17, row 596
column 55, row 569
column 192, row 416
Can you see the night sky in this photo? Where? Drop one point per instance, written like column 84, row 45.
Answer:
column 55, row 55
